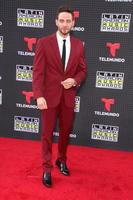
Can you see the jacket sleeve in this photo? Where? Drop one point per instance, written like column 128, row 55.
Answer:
column 38, row 70
column 82, row 67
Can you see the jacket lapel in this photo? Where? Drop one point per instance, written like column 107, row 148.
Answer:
column 56, row 52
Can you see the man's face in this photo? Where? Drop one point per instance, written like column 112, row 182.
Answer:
column 64, row 22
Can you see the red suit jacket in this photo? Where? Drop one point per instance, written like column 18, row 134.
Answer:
column 48, row 70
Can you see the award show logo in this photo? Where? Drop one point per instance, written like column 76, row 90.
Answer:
column 110, row 80
column 26, row 124
column 76, row 17
column 108, row 103
column 30, row 18
column 1, row 44
column 77, row 104
column 24, row 73
column 113, row 49
column 107, row 106
column 28, row 97
column 111, row 22
column 105, row 132
column 30, row 42
column 0, row 96
column 76, row 14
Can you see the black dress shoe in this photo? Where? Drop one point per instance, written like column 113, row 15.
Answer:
column 46, row 179
column 62, row 167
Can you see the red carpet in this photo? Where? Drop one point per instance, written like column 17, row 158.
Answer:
column 96, row 174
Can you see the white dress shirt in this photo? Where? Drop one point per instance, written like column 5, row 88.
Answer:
column 60, row 45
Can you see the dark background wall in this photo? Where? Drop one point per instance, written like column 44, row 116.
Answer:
column 104, row 104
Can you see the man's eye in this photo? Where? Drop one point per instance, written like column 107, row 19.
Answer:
column 61, row 20
column 68, row 21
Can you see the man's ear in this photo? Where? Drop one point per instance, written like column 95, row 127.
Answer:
column 73, row 23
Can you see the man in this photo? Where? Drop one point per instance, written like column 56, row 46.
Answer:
column 59, row 68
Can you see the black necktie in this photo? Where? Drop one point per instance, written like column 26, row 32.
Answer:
column 64, row 53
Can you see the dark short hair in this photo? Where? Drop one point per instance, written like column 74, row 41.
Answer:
column 64, row 9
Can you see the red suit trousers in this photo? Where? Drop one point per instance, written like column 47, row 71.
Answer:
column 49, row 116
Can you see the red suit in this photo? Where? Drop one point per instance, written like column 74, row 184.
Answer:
column 47, row 77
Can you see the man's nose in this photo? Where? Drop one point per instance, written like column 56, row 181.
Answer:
column 65, row 23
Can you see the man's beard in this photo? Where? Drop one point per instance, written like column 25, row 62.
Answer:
column 64, row 32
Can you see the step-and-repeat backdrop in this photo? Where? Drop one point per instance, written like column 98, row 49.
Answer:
column 104, row 104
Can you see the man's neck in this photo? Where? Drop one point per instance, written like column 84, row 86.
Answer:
column 63, row 36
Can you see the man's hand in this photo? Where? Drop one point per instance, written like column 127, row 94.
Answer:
column 41, row 103
column 68, row 83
